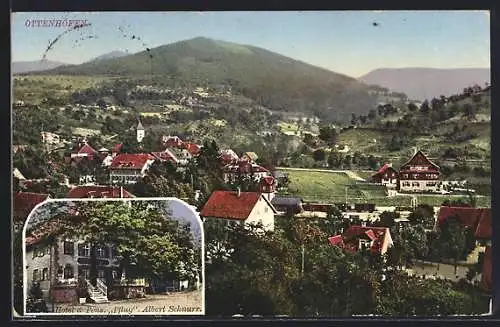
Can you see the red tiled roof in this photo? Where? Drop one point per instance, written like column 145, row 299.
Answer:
column 97, row 191
column 376, row 234
column 486, row 278
column 117, row 148
column 484, row 226
column 469, row 217
column 130, row 160
column 227, row 204
column 87, row 149
column 165, row 156
column 228, row 155
column 25, row 202
column 192, row 148
column 383, row 169
column 336, row 240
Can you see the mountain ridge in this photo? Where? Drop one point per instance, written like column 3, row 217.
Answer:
column 275, row 81
column 421, row 83
column 19, row 67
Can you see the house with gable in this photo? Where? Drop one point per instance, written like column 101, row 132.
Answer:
column 192, row 148
column 249, row 156
column 84, row 150
column 377, row 240
column 386, row 175
column 128, row 168
column 171, row 141
column 233, row 171
column 419, row 174
column 236, row 207
column 227, row 156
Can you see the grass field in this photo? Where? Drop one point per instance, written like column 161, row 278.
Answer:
column 288, row 127
column 332, row 187
column 327, row 185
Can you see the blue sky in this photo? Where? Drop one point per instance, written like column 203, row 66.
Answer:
column 342, row 41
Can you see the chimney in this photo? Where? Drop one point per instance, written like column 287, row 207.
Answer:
column 238, row 192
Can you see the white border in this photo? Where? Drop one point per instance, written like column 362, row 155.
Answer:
column 170, row 199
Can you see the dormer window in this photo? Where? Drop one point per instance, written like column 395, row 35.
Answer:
column 364, row 244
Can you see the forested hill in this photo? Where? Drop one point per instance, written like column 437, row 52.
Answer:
column 275, row 81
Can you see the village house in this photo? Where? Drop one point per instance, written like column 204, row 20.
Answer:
column 23, row 204
column 479, row 221
column 98, row 191
column 128, row 168
column 236, row 207
column 168, row 155
column 234, row 171
column 249, row 157
column 227, row 156
column 387, row 176
column 58, row 265
column 419, row 174
column 84, row 150
column 358, row 238
column 171, row 141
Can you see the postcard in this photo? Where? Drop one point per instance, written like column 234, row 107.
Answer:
column 271, row 164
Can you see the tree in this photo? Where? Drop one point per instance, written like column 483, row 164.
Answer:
column 412, row 107
column 335, row 159
column 422, row 215
column 319, row 155
column 425, row 108
column 469, row 110
column 451, row 240
column 328, row 134
column 252, row 280
column 149, row 243
column 387, row 219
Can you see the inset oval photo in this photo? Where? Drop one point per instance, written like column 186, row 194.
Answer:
column 113, row 257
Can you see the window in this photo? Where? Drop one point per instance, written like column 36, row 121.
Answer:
column 100, row 274
column 102, row 252
column 68, row 272
column 69, row 248
column 45, row 274
column 114, row 274
column 36, row 275
column 83, row 272
column 84, row 250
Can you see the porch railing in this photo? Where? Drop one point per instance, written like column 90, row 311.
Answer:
column 102, row 287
